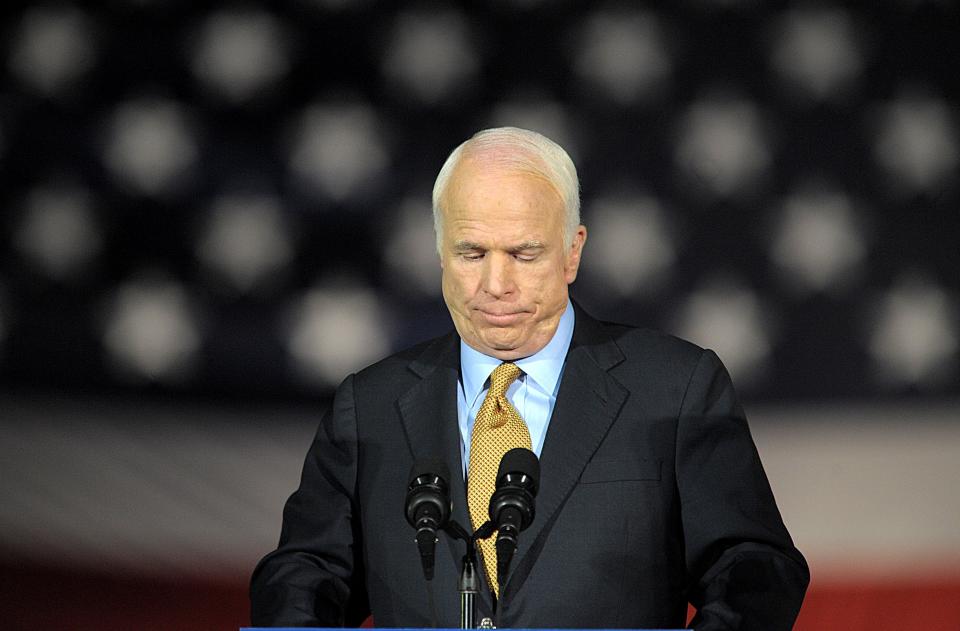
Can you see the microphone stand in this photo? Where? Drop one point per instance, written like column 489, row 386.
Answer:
column 469, row 585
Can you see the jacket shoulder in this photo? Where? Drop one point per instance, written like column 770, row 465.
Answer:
column 403, row 366
column 637, row 341
column 652, row 354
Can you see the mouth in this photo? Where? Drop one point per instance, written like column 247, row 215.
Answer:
column 502, row 318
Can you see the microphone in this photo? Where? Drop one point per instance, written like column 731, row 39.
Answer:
column 428, row 507
column 512, row 505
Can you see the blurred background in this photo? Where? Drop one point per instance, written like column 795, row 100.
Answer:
column 214, row 211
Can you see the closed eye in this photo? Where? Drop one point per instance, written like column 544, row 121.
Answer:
column 528, row 251
column 468, row 250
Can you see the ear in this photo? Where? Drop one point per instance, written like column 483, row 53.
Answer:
column 572, row 263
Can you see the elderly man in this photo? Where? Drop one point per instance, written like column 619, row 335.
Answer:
column 651, row 495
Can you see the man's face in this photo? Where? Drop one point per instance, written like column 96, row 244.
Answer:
column 505, row 265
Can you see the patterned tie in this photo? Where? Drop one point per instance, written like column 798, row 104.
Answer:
column 497, row 429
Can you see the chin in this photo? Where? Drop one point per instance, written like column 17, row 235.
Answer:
column 500, row 344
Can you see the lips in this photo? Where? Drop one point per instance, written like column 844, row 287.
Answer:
column 501, row 318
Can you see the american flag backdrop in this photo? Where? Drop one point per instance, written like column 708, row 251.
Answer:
column 212, row 212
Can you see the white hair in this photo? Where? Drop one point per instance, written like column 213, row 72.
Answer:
column 521, row 151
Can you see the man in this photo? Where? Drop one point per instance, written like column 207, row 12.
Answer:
column 651, row 496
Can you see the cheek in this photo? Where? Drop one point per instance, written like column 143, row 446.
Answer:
column 456, row 283
column 545, row 281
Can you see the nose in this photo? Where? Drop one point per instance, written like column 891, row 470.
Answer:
column 497, row 275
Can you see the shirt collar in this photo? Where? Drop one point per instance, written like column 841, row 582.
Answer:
column 543, row 367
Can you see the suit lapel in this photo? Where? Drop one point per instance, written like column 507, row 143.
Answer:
column 429, row 408
column 588, row 402
column 429, row 413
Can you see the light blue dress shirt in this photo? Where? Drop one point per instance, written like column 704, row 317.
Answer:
column 533, row 394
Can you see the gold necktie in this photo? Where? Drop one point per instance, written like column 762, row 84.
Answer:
column 497, row 429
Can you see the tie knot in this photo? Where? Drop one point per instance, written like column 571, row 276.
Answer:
column 502, row 376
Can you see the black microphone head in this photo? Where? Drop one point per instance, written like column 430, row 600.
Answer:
column 428, row 493
column 428, row 507
column 429, row 467
column 520, row 461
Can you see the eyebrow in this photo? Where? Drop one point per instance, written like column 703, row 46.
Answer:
column 528, row 245
column 466, row 246
column 470, row 246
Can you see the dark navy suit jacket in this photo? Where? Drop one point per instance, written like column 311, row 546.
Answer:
column 651, row 495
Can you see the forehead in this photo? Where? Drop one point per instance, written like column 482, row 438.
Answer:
column 493, row 197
